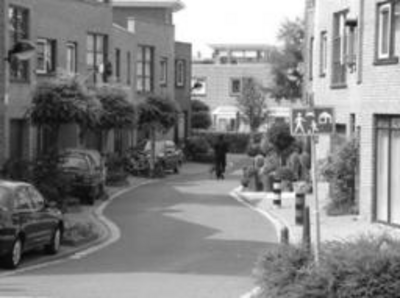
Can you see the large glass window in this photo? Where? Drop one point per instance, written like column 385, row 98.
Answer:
column 388, row 169
column 145, row 69
column 18, row 29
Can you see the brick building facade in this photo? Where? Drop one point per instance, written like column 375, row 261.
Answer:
column 88, row 46
column 3, row 65
column 354, row 67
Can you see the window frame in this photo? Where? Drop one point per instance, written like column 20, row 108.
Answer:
column 49, row 56
column 231, row 84
column 180, row 73
column 145, row 69
column 95, row 51
column 323, row 54
column 385, row 57
column 71, row 65
column 19, row 70
column 164, row 71
column 339, row 41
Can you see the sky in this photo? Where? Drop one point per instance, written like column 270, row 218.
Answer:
column 204, row 22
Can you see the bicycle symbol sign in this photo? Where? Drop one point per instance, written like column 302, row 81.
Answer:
column 311, row 121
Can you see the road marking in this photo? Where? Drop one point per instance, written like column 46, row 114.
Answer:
column 253, row 293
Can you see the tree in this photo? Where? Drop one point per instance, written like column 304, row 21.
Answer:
column 281, row 139
column 157, row 114
column 252, row 104
column 117, row 111
column 63, row 101
column 201, row 118
column 286, row 62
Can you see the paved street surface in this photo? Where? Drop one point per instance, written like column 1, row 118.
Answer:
column 181, row 237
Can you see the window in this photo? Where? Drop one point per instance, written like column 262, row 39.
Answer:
column 311, row 59
column 180, row 73
column 18, row 29
column 235, row 87
column 128, row 68
column 37, row 198
column 118, row 64
column 385, row 33
column 164, row 71
column 96, row 52
column 338, row 50
column 46, row 56
column 323, row 53
column 72, row 58
column 387, row 169
column 22, row 199
column 145, row 69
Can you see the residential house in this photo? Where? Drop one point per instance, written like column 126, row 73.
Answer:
column 220, row 81
column 353, row 66
column 154, row 56
column 77, row 45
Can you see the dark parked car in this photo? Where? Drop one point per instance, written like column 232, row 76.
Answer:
column 26, row 222
column 85, row 172
column 167, row 154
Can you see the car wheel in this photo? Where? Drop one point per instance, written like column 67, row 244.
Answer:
column 13, row 259
column 54, row 246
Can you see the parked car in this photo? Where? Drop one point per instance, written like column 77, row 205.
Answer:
column 27, row 221
column 85, row 172
column 167, row 153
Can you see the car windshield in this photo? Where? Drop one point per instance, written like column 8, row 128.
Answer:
column 74, row 162
column 4, row 192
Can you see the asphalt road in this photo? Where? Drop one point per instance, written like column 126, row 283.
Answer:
column 182, row 237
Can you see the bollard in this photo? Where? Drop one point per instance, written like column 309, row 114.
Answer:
column 299, row 208
column 307, row 229
column 277, row 190
column 285, row 235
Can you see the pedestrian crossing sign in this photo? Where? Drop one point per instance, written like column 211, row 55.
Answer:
column 312, row 121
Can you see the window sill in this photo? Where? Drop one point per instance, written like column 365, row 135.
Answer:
column 339, row 86
column 386, row 61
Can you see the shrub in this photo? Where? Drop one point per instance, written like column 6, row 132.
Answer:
column 367, row 267
column 280, row 137
column 285, row 174
column 238, row 142
column 196, row 145
column 115, row 169
column 340, row 170
column 78, row 232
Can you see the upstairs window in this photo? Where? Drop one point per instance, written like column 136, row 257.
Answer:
column 145, row 69
column 72, row 55
column 118, row 65
column 18, row 18
column 323, row 53
column 180, row 73
column 235, row 87
column 339, row 50
column 164, row 71
column 385, row 34
column 96, row 52
column 46, row 56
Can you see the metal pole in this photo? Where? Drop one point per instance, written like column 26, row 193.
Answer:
column 316, row 200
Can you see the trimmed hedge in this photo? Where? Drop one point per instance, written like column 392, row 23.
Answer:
column 238, row 142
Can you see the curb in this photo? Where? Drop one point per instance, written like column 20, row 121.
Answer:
column 281, row 228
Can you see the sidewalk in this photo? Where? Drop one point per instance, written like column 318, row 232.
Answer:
column 333, row 228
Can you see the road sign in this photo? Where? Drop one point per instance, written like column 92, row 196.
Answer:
column 312, row 121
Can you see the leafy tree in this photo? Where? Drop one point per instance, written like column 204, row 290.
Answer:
column 63, row 101
column 253, row 104
column 201, row 118
column 157, row 114
column 117, row 112
column 281, row 139
column 287, row 73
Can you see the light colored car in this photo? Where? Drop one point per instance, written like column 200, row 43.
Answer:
column 167, row 153
column 27, row 222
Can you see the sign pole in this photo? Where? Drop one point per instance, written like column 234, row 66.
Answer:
column 316, row 199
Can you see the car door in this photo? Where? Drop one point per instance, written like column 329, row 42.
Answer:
column 25, row 217
column 45, row 221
